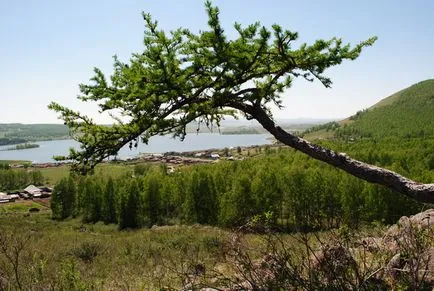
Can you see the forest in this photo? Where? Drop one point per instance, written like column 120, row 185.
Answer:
column 294, row 192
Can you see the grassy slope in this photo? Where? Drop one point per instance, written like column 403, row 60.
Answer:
column 54, row 174
column 120, row 260
column 407, row 113
column 410, row 112
column 70, row 255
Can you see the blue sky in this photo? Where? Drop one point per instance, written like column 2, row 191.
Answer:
column 48, row 47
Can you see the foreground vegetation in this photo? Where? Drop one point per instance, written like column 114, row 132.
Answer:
column 277, row 189
column 71, row 256
column 38, row 253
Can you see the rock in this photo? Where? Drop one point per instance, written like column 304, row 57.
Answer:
column 395, row 263
column 421, row 220
column 371, row 244
column 333, row 259
column 410, row 242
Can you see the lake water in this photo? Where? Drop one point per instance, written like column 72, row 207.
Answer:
column 157, row 144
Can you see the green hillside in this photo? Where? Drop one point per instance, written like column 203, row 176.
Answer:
column 15, row 133
column 407, row 113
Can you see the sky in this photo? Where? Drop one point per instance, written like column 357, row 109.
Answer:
column 48, row 47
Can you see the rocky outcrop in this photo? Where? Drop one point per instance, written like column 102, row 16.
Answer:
column 411, row 242
column 404, row 253
column 401, row 258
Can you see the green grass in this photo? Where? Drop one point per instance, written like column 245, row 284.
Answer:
column 320, row 134
column 54, row 174
column 20, row 207
column 101, row 256
column 16, row 162
column 70, row 255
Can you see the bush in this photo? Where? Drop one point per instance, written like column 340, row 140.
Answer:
column 87, row 251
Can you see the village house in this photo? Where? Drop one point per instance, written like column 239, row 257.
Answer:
column 32, row 191
column 5, row 198
column 215, row 156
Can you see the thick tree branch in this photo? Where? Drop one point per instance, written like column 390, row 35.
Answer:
column 420, row 192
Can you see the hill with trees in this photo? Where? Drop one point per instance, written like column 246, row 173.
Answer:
column 405, row 114
column 16, row 133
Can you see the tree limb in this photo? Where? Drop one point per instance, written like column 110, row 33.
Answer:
column 373, row 174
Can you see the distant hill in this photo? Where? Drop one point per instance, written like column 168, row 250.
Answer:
column 14, row 133
column 407, row 113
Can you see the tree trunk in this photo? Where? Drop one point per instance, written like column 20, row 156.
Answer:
column 420, row 192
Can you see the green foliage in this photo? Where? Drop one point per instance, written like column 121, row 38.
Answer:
column 303, row 194
column 8, row 141
column 12, row 179
column 201, row 200
column 87, row 251
column 4, row 166
column 181, row 77
column 152, row 198
column 237, row 204
column 141, row 169
column 109, row 212
column 91, row 200
column 131, row 208
column 63, row 199
column 327, row 127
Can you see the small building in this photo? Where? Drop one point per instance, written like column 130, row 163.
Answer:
column 46, row 191
column 4, row 198
column 25, row 196
column 32, row 190
column 14, row 197
column 215, row 156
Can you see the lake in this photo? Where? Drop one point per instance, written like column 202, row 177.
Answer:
column 157, row 144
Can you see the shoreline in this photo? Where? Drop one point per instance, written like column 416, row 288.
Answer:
column 171, row 158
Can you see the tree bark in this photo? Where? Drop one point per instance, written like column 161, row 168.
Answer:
column 420, row 192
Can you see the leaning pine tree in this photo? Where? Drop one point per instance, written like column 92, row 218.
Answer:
column 182, row 77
